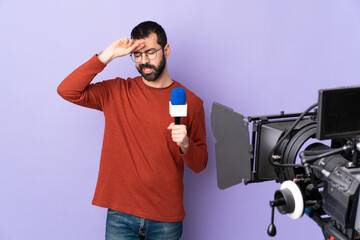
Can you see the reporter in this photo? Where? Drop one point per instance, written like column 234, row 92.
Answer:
column 143, row 155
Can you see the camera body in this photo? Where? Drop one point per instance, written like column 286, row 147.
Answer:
column 324, row 182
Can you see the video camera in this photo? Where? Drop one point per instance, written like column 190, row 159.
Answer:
column 323, row 182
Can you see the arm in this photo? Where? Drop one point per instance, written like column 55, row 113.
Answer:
column 76, row 87
column 192, row 143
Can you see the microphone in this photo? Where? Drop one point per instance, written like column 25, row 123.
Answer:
column 177, row 104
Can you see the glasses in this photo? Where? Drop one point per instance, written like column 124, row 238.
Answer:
column 150, row 54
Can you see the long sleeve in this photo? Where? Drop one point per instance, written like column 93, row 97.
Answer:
column 77, row 89
column 141, row 168
column 196, row 156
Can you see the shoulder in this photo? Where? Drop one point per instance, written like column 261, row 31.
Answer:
column 109, row 85
column 194, row 102
column 132, row 81
column 116, row 82
column 191, row 97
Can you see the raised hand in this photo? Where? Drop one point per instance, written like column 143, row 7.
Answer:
column 119, row 48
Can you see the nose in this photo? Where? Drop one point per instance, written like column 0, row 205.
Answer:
column 144, row 59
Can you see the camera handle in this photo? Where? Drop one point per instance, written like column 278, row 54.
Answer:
column 285, row 203
column 288, row 200
column 272, row 229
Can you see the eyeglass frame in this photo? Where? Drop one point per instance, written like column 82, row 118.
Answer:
column 146, row 54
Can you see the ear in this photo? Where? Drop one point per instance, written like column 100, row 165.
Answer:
column 167, row 50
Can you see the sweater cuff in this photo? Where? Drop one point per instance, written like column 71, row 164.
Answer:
column 187, row 154
column 96, row 61
column 193, row 158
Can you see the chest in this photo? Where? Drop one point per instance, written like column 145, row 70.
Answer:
column 148, row 110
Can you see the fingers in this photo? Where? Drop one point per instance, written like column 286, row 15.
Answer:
column 135, row 47
column 178, row 132
column 171, row 126
column 139, row 41
column 177, row 128
column 122, row 42
column 179, row 136
column 141, row 44
column 132, row 45
column 132, row 48
column 127, row 43
column 125, row 46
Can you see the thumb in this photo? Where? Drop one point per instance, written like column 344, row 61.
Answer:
column 170, row 126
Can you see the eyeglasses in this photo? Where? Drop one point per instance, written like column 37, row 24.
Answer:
column 150, row 54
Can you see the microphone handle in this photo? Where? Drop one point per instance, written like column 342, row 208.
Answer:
column 177, row 120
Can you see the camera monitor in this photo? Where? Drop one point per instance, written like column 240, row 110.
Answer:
column 338, row 113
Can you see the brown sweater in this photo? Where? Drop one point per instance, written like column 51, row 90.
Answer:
column 141, row 168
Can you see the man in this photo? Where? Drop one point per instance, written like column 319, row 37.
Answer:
column 142, row 161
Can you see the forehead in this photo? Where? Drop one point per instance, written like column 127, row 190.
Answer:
column 151, row 41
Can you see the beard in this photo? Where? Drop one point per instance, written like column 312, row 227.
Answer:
column 151, row 77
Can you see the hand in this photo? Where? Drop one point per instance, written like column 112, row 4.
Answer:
column 119, row 48
column 179, row 136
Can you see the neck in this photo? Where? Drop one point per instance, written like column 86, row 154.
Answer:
column 163, row 80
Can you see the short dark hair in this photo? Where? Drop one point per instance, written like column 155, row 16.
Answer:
column 144, row 29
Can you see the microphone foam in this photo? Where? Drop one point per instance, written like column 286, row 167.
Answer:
column 178, row 96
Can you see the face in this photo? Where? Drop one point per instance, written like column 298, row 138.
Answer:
column 151, row 68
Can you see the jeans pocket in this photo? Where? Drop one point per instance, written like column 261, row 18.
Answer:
column 112, row 211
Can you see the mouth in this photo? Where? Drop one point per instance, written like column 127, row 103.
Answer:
column 147, row 70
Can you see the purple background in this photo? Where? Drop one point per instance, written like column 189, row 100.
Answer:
column 258, row 57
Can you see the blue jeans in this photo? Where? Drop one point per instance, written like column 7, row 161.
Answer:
column 122, row 226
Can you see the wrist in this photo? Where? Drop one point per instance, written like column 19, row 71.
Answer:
column 106, row 56
column 185, row 145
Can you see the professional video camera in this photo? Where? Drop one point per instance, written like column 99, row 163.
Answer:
column 323, row 182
